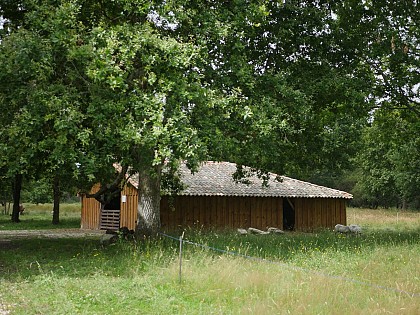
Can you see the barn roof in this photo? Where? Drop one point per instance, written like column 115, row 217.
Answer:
column 215, row 179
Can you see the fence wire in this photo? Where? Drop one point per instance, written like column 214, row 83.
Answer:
column 295, row 268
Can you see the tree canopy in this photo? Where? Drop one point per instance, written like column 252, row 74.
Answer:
column 283, row 86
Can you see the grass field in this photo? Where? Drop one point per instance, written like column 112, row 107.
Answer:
column 305, row 273
column 40, row 217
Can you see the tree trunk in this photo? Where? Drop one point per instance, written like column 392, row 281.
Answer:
column 148, row 223
column 56, row 207
column 404, row 205
column 17, row 187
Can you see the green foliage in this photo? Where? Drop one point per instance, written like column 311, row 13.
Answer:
column 38, row 192
column 384, row 36
column 41, row 92
column 389, row 163
column 5, row 190
column 285, row 87
column 301, row 104
column 18, row 85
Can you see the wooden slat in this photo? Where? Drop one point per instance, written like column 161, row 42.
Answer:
column 198, row 212
column 222, row 220
column 324, row 212
column 303, row 215
column 273, row 212
column 252, row 212
column 330, row 213
column 227, row 211
column 245, row 213
column 214, row 210
column 318, row 214
column 205, row 206
column 110, row 219
column 306, row 216
column 230, row 211
column 198, row 216
column 90, row 211
column 233, row 211
column 257, row 211
column 217, row 206
column 279, row 206
column 188, row 212
column 264, row 213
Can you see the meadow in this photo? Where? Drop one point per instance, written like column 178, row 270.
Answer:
column 294, row 273
column 39, row 216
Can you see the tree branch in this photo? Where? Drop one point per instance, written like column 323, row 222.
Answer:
column 404, row 99
column 107, row 192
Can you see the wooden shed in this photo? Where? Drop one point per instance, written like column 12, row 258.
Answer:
column 212, row 198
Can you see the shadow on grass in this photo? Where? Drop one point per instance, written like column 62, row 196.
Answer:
column 80, row 257
column 71, row 257
column 286, row 246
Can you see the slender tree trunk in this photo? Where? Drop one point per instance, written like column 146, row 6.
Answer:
column 56, row 207
column 17, row 187
column 148, row 223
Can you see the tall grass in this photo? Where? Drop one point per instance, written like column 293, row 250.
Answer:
column 384, row 218
column 306, row 273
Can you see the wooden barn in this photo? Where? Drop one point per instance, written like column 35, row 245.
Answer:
column 212, row 198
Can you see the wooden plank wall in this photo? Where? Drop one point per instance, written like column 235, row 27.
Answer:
column 128, row 215
column 91, row 209
column 221, row 211
column 315, row 213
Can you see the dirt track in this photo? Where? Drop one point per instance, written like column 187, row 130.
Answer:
column 8, row 235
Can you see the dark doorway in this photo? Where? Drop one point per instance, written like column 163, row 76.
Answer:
column 288, row 215
column 114, row 204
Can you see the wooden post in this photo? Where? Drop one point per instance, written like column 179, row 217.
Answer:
column 180, row 257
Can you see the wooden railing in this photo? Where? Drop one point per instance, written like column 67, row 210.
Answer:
column 110, row 219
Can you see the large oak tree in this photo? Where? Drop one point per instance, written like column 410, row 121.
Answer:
column 279, row 86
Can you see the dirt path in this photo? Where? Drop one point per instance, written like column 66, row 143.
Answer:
column 8, row 235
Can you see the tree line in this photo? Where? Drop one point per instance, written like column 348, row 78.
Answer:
column 319, row 90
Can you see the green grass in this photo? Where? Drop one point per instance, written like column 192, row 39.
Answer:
column 79, row 276
column 37, row 217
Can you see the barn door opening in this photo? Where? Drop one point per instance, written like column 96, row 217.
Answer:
column 288, row 214
column 110, row 214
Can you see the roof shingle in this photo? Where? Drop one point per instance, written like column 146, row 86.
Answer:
column 215, row 179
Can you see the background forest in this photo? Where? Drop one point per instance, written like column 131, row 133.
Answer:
column 323, row 91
